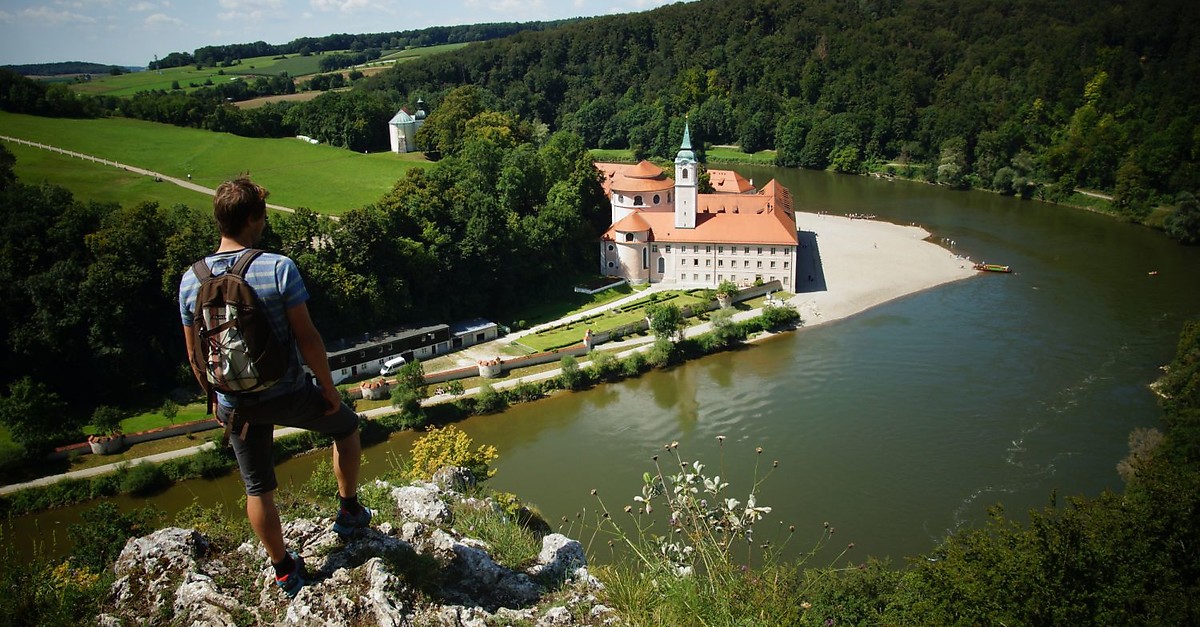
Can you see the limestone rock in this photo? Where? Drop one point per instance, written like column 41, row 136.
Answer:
column 422, row 503
column 376, row 576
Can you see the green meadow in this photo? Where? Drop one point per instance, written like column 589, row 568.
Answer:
column 323, row 178
column 101, row 183
column 295, row 66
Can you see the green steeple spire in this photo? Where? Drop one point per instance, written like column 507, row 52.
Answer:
column 685, row 149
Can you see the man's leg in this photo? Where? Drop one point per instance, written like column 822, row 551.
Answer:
column 347, row 457
column 264, row 519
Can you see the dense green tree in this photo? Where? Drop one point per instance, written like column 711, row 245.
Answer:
column 35, row 416
column 1184, row 223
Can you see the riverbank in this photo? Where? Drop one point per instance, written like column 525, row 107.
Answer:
column 856, row 264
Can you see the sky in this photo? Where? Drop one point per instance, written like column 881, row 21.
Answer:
column 132, row 32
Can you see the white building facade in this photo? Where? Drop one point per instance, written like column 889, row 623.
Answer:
column 664, row 231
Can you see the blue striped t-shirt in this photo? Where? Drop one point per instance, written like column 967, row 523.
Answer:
column 276, row 280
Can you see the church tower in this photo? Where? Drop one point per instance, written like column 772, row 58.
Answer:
column 686, row 185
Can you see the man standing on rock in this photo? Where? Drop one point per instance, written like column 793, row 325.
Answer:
column 295, row 400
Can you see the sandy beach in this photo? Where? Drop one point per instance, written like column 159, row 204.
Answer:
column 856, row 264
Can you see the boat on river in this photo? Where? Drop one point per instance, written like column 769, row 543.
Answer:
column 992, row 267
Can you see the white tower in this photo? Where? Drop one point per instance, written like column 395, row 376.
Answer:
column 685, row 183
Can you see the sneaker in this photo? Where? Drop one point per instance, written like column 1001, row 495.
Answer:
column 293, row 581
column 346, row 523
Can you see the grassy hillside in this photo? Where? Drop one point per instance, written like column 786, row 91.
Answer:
column 93, row 181
column 326, row 179
column 294, row 65
column 132, row 83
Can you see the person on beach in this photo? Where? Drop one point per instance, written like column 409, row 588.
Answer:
column 297, row 399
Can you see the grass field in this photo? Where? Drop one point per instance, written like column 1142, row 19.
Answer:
column 92, row 181
column 727, row 154
column 295, row 66
column 323, row 178
column 612, row 155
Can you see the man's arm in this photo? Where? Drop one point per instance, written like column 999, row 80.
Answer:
column 191, row 348
column 312, row 349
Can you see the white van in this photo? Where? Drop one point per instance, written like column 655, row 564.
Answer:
column 391, row 366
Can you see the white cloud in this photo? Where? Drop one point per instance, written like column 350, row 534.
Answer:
column 5, row 17
column 50, row 16
column 250, row 5
column 161, row 19
column 142, row 7
column 344, row 6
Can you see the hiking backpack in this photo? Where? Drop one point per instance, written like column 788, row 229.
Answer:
column 233, row 342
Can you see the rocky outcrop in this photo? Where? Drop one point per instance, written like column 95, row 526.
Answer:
column 413, row 568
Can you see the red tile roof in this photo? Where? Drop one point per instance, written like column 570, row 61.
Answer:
column 763, row 218
column 633, row 179
column 729, row 182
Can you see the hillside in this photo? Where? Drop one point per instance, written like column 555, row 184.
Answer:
column 1089, row 93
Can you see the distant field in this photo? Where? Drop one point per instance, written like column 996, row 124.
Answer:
column 730, row 154
column 295, row 65
column 326, row 179
column 258, row 102
column 612, row 155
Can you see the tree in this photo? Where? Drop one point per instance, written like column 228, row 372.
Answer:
column 570, row 376
column 666, row 320
column 35, row 416
column 1132, row 194
column 952, row 167
column 107, row 420
column 1184, row 223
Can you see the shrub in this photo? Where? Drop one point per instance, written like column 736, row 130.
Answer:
column 450, row 447
column 40, row 592
column 605, row 367
column 570, row 376
column 104, row 529
column 322, row 483
column 488, row 401
column 143, row 479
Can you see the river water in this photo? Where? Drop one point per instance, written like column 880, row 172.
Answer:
column 898, row 425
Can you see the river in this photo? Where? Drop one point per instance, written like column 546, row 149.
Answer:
column 897, row 425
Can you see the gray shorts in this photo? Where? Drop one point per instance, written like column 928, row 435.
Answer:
column 304, row 409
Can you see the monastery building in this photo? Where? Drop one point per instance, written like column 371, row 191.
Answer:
column 664, row 231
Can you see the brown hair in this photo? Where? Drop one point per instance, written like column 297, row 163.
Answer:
column 236, row 203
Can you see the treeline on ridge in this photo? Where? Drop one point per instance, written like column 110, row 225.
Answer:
column 395, row 40
column 988, row 94
column 1015, row 96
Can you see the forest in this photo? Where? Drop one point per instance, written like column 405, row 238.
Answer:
column 1014, row 96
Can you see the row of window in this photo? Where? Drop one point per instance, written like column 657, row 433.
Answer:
column 732, row 264
column 720, row 249
column 637, row 200
column 734, row 277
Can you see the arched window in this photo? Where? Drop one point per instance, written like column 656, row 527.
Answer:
column 610, row 264
column 610, row 248
column 685, row 174
column 629, row 237
column 662, row 265
column 657, row 199
column 645, row 258
column 637, row 200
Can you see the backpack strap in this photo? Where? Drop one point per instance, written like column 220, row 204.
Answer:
column 243, row 263
column 203, row 272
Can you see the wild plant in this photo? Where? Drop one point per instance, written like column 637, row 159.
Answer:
column 691, row 542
